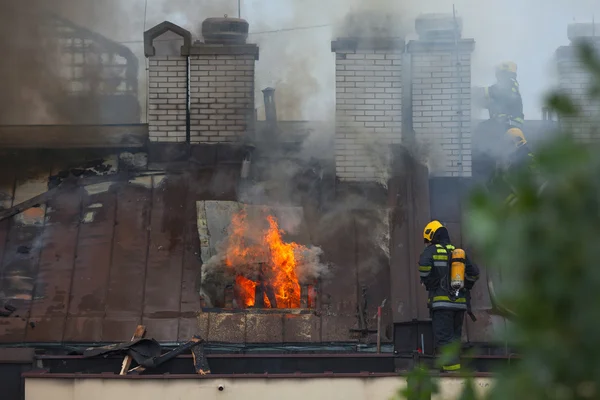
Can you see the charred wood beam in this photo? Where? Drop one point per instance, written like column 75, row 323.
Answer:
column 69, row 183
column 266, row 287
column 139, row 333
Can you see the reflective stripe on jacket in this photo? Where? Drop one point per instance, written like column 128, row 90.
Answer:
column 434, row 270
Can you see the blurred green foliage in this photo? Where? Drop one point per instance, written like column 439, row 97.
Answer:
column 547, row 245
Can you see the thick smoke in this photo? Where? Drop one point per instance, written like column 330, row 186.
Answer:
column 31, row 91
column 37, row 86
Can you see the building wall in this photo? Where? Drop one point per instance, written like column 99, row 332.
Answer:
column 203, row 95
column 382, row 388
column 96, row 261
column 574, row 81
column 368, row 107
column 167, row 98
column 441, row 103
column 222, row 97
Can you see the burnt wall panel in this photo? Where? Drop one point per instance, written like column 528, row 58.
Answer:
column 25, row 240
column 410, row 198
column 446, row 199
column 6, row 200
column 54, row 278
column 92, row 265
column 339, row 291
column 124, row 302
column 190, row 280
column 373, row 265
column 162, row 301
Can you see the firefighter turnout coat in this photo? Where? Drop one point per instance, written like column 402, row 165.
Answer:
column 434, row 270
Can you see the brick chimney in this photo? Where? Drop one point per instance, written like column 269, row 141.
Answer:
column 222, row 83
column 441, row 92
column 167, row 86
column 368, row 105
column 574, row 81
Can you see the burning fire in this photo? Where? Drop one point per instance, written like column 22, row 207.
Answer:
column 277, row 275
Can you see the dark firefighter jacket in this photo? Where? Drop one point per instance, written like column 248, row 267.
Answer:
column 522, row 156
column 434, row 269
column 501, row 181
column 504, row 100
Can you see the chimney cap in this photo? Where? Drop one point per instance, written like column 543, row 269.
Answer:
column 438, row 26
column 577, row 31
column 268, row 89
column 225, row 30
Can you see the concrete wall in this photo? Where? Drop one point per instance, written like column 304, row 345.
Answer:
column 249, row 389
column 167, row 98
column 441, row 103
column 368, row 106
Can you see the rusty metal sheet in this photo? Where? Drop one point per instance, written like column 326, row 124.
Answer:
column 83, row 329
column 162, row 329
column 128, row 268
column 165, row 253
column 94, row 248
column 25, row 241
column 12, row 329
column 53, row 281
column 119, row 329
column 45, row 329
column 6, row 201
column 188, row 327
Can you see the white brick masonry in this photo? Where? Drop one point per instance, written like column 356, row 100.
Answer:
column 167, row 88
column 222, row 97
column 368, row 112
column 441, row 102
column 574, row 81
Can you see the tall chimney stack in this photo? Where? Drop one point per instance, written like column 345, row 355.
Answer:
column 270, row 109
column 222, row 83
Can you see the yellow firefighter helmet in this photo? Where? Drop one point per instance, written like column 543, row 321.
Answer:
column 517, row 137
column 430, row 230
column 507, row 66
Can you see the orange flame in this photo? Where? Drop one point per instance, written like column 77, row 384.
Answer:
column 246, row 290
column 278, row 260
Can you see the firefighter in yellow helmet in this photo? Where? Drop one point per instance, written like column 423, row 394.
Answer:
column 503, row 99
column 447, row 305
column 519, row 155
